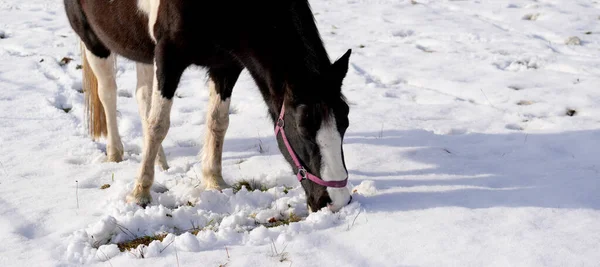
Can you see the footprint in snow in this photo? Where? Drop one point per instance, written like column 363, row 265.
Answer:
column 513, row 126
column 403, row 33
column 390, row 95
column 532, row 17
column 75, row 161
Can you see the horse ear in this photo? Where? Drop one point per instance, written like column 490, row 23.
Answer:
column 339, row 68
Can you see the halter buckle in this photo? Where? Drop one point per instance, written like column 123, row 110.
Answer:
column 280, row 122
column 302, row 172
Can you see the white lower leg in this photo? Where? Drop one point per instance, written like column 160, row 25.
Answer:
column 107, row 92
column 158, row 122
column 217, row 122
column 145, row 77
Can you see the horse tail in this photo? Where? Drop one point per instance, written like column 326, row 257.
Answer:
column 94, row 111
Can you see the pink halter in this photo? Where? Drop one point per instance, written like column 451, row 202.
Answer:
column 302, row 173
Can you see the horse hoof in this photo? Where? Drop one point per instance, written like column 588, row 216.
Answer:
column 161, row 159
column 114, row 153
column 142, row 201
column 219, row 187
column 115, row 158
column 162, row 165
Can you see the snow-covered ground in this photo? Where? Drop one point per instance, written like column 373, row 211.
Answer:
column 462, row 150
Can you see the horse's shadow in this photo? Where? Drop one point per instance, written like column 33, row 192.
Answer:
column 483, row 170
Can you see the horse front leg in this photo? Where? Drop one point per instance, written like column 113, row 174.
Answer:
column 169, row 65
column 221, row 83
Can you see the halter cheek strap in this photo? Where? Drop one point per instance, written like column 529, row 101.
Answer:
column 302, row 173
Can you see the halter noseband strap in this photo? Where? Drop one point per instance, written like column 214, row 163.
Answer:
column 302, row 173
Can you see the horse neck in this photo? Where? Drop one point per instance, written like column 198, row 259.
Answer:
column 290, row 73
column 279, row 83
column 291, row 64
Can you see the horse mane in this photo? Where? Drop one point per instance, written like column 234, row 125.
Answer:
column 316, row 57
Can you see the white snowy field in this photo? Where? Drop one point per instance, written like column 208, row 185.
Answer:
column 474, row 140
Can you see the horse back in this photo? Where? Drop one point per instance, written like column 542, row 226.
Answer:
column 117, row 26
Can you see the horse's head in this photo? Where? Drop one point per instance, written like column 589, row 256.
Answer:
column 313, row 124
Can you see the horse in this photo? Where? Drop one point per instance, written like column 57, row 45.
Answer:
column 277, row 41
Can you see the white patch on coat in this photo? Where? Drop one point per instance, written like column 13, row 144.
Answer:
column 332, row 165
column 144, row 6
column 150, row 8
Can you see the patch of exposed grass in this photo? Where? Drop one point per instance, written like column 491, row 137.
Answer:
column 284, row 221
column 531, row 17
column 515, row 87
column 104, row 186
column 133, row 244
column 195, row 231
column 251, row 185
column 144, row 240
column 210, row 225
column 524, row 103
column 64, row 61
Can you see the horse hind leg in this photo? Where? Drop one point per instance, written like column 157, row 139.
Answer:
column 221, row 83
column 100, row 88
column 168, row 68
column 145, row 77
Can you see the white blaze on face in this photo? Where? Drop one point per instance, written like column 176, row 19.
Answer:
column 332, row 165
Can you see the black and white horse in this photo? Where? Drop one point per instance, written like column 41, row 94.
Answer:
column 277, row 41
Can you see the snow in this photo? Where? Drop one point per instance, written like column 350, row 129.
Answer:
column 460, row 149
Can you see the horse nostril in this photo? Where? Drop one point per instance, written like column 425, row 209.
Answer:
column 331, row 207
column 350, row 201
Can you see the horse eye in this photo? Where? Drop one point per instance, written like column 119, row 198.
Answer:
column 304, row 125
column 307, row 126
